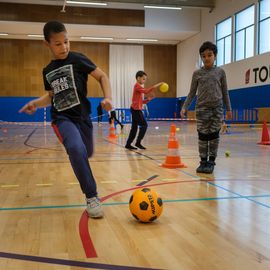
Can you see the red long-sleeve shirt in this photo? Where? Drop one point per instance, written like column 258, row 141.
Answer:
column 137, row 97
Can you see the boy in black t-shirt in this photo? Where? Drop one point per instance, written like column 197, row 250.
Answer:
column 65, row 79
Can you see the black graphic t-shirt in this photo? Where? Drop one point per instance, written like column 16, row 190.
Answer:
column 67, row 79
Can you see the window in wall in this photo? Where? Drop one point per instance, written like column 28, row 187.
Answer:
column 264, row 26
column 224, row 41
column 244, row 33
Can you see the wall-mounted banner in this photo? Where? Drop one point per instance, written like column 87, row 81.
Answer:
column 254, row 71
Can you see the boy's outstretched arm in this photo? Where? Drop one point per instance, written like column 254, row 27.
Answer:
column 157, row 84
column 103, row 79
column 41, row 102
column 149, row 89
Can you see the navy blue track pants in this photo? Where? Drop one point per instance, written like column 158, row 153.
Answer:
column 77, row 138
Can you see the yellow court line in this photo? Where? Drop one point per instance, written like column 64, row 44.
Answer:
column 195, row 178
column 108, row 182
column 169, row 179
column 9, row 186
column 44, row 185
column 138, row 180
column 73, row 183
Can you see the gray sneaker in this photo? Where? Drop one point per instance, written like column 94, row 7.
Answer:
column 93, row 207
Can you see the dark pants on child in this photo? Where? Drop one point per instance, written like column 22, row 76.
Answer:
column 99, row 113
column 137, row 120
column 77, row 138
column 113, row 117
column 209, row 121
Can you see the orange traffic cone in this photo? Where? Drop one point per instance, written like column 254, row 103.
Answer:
column 112, row 134
column 173, row 159
column 265, row 135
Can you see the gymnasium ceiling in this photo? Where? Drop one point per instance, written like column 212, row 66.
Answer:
column 20, row 29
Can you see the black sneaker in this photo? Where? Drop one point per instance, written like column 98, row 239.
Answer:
column 130, row 147
column 202, row 167
column 210, row 167
column 140, row 146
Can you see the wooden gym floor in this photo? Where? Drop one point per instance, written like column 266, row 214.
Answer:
column 218, row 221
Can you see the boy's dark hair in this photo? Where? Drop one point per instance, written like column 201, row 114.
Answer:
column 208, row 46
column 51, row 28
column 140, row 73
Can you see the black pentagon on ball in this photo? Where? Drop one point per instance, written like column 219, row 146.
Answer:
column 143, row 205
column 145, row 190
column 135, row 216
column 152, row 218
column 131, row 199
column 159, row 201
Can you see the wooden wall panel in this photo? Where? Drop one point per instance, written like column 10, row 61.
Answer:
column 22, row 62
column 74, row 15
column 99, row 54
column 263, row 114
column 160, row 65
column 21, row 67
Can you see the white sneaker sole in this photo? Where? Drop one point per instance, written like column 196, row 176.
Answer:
column 99, row 215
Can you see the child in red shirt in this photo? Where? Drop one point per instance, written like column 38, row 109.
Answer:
column 136, row 110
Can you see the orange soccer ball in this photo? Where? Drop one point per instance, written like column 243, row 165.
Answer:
column 145, row 205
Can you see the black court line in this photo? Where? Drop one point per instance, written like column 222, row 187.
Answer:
column 137, row 152
column 70, row 262
column 38, row 147
column 28, row 138
column 141, row 154
column 147, row 180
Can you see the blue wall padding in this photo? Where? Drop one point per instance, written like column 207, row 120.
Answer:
column 10, row 106
column 245, row 98
column 162, row 107
column 253, row 97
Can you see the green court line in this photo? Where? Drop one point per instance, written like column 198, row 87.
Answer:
column 124, row 203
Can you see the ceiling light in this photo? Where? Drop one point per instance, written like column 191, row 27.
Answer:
column 34, row 35
column 97, row 38
column 87, row 3
column 142, row 39
column 163, row 7
column 3, row 34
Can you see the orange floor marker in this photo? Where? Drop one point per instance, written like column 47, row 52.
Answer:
column 265, row 135
column 173, row 159
column 112, row 134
